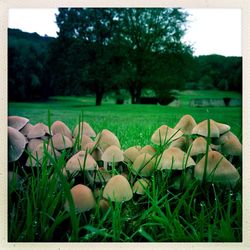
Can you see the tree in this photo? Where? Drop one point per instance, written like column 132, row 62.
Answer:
column 94, row 28
column 149, row 36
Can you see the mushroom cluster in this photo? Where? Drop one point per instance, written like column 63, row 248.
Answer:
column 203, row 151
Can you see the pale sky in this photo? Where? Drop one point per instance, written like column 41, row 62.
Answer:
column 211, row 31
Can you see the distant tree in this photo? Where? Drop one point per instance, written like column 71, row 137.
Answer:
column 95, row 28
column 149, row 36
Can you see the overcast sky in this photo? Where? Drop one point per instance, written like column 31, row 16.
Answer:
column 210, row 31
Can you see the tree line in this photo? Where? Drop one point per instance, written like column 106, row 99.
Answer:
column 98, row 51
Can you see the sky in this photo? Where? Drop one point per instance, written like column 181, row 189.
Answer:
column 210, row 31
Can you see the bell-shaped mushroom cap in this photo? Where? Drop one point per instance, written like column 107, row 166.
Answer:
column 223, row 128
column 219, row 169
column 38, row 130
column 17, row 122
column 26, row 129
column 61, row 141
column 112, row 154
column 85, row 141
column 118, row 189
column 61, row 128
column 199, row 146
column 16, row 144
column 94, row 151
column 131, row 153
column 81, row 161
column 144, row 165
column 83, row 198
column 186, row 124
column 148, row 149
column 179, row 143
column 38, row 154
column 140, row 185
column 202, row 129
column 105, row 139
column 230, row 144
column 33, row 143
column 83, row 128
column 176, row 159
column 164, row 134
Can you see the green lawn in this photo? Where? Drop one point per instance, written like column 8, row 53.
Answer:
column 196, row 213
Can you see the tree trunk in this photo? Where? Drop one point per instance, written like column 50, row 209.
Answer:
column 99, row 95
column 135, row 93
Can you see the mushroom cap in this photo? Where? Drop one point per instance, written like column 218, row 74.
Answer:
column 223, row 128
column 164, row 134
column 118, row 189
column 140, row 185
column 105, row 139
column 61, row 141
column 61, row 128
column 219, row 169
column 38, row 130
column 26, row 129
column 144, row 164
column 81, row 161
column 85, row 141
column 131, row 153
column 16, row 144
column 230, row 144
column 199, row 146
column 83, row 198
column 148, row 149
column 179, row 143
column 186, row 124
column 17, row 122
column 33, row 143
column 83, row 128
column 38, row 154
column 113, row 154
column 176, row 159
column 202, row 129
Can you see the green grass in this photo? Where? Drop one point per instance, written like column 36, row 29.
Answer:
column 196, row 213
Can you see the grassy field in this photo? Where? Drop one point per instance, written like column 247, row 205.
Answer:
column 196, row 213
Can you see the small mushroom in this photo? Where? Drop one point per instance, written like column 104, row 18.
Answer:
column 131, row 153
column 33, row 143
column 148, row 149
column 186, row 124
column 83, row 128
column 38, row 131
column 218, row 170
column 144, row 165
column 176, row 159
column 199, row 146
column 165, row 134
column 38, row 155
column 61, row 128
column 16, row 144
column 118, row 189
column 79, row 161
column 140, row 185
column 202, row 129
column 113, row 154
column 83, row 199
column 230, row 144
column 26, row 129
column 61, row 141
column 105, row 139
column 17, row 122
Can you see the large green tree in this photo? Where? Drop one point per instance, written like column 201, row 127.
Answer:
column 151, row 38
column 124, row 45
